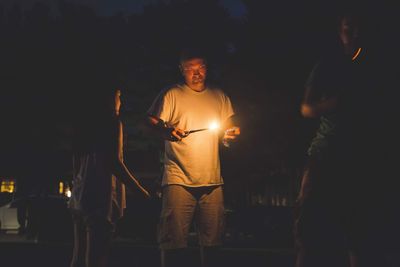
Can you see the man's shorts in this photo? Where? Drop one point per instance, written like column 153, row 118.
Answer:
column 181, row 205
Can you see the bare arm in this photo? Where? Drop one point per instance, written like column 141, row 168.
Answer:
column 122, row 172
column 313, row 108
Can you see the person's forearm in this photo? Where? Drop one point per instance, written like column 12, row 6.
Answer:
column 125, row 176
column 164, row 131
column 314, row 110
column 231, row 122
column 157, row 126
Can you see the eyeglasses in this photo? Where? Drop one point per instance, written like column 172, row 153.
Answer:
column 201, row 68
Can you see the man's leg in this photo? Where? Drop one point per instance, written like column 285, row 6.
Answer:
column 178, row 206
column 210, row 224
column 79, row 250
column 318, row 228
column 98, row 238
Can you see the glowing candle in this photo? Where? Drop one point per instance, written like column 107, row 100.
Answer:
column 213, row 126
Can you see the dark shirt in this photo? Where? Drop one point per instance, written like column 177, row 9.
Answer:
column 338, row 76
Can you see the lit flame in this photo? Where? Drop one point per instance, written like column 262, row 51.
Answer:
column 213, row 126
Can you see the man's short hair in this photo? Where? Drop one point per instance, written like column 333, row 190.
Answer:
column 191, row 53
column 349, row 11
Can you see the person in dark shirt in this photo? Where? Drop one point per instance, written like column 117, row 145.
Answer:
column 338, row 92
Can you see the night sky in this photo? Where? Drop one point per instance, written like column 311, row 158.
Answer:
column 235, row 7
column 110, row 7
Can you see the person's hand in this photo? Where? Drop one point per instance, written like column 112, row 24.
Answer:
column 137, row 189
column 230, row 135
column 174, row 134
column 144, row 192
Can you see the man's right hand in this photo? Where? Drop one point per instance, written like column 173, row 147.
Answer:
column 169, row 133
column 174, row 134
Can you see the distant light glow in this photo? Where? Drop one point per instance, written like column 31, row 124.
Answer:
column 61, row 187
column 7, row 186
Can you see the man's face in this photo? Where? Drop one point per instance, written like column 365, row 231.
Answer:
column 194, row 71
column 348, row 32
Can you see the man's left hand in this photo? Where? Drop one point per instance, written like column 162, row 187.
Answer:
column 230, row 135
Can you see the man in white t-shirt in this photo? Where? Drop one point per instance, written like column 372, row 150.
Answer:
column 192, row 182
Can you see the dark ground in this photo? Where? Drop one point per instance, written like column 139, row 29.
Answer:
column 16, row 251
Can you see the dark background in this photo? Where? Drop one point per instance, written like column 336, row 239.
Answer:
column 261, row 58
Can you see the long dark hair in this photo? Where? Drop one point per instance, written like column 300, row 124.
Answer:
column 95, row 120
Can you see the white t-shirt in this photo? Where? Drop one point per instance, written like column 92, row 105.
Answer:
column 193, row 161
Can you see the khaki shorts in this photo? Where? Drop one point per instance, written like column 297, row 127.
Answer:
column 181, row 205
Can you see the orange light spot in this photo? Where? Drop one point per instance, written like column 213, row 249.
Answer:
column 356, row 54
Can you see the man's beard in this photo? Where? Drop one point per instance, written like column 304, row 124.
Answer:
column 197, row 79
